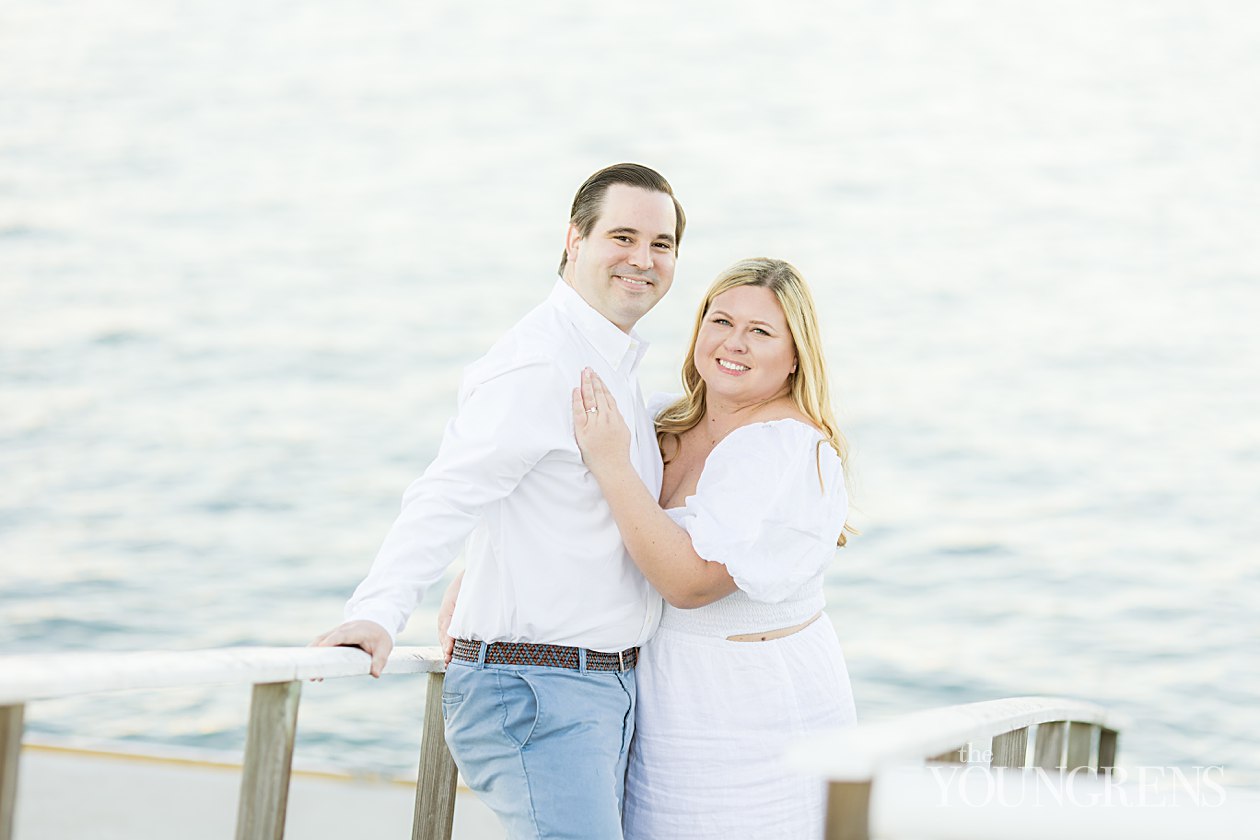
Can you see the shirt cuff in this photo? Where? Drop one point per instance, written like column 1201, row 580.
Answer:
column 383, row 616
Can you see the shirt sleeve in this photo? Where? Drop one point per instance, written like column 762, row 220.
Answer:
column 507, row 419
column 761, row 510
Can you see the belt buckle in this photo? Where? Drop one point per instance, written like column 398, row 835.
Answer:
column 621, row 660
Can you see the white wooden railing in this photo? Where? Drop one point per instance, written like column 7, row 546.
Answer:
column 1067, row 736
column 852, row 759
column 276, row 675
column 886, row 781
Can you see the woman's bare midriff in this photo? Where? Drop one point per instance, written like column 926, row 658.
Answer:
column 767, row 635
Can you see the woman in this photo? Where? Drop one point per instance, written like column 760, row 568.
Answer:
column 751, row 510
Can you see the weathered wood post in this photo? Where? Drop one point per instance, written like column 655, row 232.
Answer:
column 1048, row 751
column 1080, row 738
column 435, row 789
column 1107, row 751
column 268, row 761
column 1010, row 748
column 10, row 756
column 848, row 810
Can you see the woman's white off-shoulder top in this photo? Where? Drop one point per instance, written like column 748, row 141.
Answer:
column 770, row 505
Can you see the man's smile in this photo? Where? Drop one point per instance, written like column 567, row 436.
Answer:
column 636, row 282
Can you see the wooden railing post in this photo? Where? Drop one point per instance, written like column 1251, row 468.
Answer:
column 1010, row 748
column 10, row 756
column 1048, row 751
column 1080, row 738
column 848, row 811
column 435, row 789
column 1107, row 750
column 268, row 761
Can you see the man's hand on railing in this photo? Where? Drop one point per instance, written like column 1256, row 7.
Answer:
column 368, row 635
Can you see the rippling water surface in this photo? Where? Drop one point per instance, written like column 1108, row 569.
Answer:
column 246, row 250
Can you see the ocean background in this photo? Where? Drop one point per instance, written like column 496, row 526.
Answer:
column 247, row 249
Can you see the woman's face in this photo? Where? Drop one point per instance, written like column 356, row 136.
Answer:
column 744, row 351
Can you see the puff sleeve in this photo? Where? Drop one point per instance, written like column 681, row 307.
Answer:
column 759, row 508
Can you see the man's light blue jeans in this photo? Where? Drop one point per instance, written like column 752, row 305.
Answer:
column 545, row 748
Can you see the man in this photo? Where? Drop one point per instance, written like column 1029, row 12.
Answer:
column 539, row 697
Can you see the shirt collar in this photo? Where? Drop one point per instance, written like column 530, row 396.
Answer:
column 605, row 336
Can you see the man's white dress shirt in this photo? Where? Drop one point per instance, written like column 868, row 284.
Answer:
column 544, row 561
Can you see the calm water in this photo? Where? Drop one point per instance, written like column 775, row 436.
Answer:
column 246, row 250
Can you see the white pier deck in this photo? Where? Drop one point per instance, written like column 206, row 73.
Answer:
column 70, row 794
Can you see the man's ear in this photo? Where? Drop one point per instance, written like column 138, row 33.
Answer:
column 572, row 240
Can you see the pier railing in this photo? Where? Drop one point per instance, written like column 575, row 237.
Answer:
column 1068, row 735
column 879, row 774
column 276, row 675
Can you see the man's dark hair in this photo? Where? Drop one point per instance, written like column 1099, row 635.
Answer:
column 589, row 200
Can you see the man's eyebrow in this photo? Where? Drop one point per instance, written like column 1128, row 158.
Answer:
column 668, row 237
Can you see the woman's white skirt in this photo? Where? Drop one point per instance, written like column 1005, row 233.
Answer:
column 714, row 718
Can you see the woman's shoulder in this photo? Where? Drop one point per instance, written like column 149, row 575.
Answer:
column 786, row 432
column 790, row 448
column 781, row 470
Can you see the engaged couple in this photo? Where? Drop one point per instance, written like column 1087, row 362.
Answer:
column 639, row 629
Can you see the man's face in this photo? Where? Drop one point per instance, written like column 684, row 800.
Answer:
column 626, row 263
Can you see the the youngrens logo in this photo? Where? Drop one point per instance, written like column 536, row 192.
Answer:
column 976, row 785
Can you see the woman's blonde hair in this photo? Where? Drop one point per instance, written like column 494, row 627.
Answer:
column 809, row 387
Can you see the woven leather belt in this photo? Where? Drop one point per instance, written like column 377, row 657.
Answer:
column 550, row 656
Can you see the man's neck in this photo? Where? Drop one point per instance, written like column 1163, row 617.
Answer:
column 568, row 279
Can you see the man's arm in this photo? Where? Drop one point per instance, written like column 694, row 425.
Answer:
column 368, row 635
column 506, row 422
column 445, row 613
